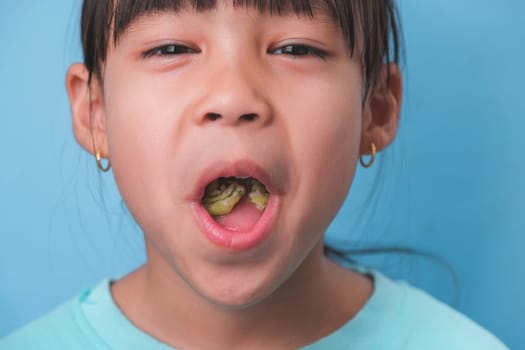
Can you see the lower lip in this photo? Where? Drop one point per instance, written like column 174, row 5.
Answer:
column 237, row 240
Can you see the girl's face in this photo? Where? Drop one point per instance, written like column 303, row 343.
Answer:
column 191, row 96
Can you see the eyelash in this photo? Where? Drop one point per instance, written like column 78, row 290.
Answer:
column 170, row 50
column 300, row 50
column 293, row 50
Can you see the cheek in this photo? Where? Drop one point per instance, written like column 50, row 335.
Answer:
column 140, row 145
column 332, row 134
column 332, row 143
column 327, row 149
column 329, row 123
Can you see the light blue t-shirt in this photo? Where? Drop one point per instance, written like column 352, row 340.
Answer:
column 397, row 316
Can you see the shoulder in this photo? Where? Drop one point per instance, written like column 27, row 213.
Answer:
column 429, row 323
column 399, row 316
column 62, row 328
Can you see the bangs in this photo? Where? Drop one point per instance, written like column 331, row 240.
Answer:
column 127, row 11
column 371, row 23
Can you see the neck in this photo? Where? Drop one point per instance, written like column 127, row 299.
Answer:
column 316, row 300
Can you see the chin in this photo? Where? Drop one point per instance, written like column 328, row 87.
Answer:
column 238, row 301
column 237, row 291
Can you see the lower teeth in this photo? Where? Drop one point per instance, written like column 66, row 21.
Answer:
column 221, row 196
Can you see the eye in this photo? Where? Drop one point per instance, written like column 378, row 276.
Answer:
column 298, row 50
column 170, row 50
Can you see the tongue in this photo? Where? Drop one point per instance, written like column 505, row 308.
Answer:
column 242, row 218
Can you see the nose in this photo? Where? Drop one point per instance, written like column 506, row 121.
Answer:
column 235, row 96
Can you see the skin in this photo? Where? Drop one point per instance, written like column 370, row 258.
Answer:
column 306, row 121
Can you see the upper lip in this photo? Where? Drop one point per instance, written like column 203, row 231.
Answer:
column 240, row 168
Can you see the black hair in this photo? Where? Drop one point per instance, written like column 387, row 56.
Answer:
column 373, row 24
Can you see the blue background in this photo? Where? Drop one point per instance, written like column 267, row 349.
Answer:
column 453, row 183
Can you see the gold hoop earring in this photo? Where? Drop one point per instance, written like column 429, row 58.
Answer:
column 372, row 157
column 99, row 158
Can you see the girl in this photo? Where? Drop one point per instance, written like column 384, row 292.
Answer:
column 224, row 123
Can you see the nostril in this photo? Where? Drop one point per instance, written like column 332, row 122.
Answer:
column 249, row 117
column 213, row 116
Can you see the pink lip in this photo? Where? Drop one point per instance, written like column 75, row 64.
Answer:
column 236, row 240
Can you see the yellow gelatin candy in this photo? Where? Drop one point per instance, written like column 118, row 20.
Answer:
column 221, row 198
column 258, row 195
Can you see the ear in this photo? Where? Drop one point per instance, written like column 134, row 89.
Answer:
column 87, row 110
column 382, row 109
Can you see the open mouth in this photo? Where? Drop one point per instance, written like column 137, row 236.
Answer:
column 235, row 203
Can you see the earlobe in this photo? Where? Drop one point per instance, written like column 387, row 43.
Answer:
column 382, row 110
column 87, row 110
